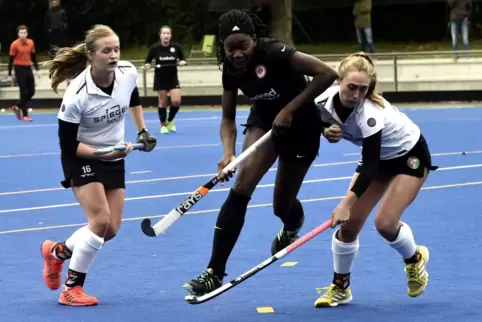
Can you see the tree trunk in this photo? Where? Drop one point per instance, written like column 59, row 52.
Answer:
column 281, row 21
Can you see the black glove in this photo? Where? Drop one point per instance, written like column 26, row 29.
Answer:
column 143, row 136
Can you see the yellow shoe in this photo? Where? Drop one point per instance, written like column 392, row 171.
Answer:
column 333, row 296
column 164, row 129
column 171, row 126
column 417, row 273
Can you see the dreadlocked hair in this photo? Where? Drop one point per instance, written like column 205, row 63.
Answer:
column 247, row 23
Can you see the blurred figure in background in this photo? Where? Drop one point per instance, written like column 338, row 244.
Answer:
column 168, row 56
column 263, row 11
column 56, row 26
column 460, row 11
column 362, row 11
column 22, row 55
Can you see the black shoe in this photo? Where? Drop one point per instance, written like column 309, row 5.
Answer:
column 205, row 283
column 285, row 238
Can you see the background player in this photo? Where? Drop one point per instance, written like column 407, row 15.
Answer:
column 272, row 74
column 92, row 116
column 167, row 55
column 22, row 55
column 395, row 163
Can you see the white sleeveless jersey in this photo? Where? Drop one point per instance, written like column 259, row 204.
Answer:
column 399, row 133
column 100, row 116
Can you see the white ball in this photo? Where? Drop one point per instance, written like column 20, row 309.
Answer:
column 30, row 110
column 3, row 110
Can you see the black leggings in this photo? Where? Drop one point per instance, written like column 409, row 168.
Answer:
column 26, row 84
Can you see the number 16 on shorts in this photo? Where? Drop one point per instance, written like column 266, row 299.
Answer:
column 87, row 171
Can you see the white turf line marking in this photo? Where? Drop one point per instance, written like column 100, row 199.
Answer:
column 196, row 212
column 4, row 211
column 194, row 176
column 181, row 120
column 433, row 154
column 8, row 193
column 191, row 146
column 140, row 172
column 162, row 195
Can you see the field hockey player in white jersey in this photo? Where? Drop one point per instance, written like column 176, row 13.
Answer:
column 101, row 92
column 395, row 164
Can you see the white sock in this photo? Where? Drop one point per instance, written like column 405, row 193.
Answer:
column 405, row 243
column 86, row 247
column 344, row 254
column 70, row 242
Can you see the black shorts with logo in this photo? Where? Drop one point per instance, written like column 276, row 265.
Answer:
column 301, row 142
column 164, row 82
column 413, row 163
column 80, row 171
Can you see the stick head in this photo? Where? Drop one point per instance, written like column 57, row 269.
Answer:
column 147, row 228
column 191, row 299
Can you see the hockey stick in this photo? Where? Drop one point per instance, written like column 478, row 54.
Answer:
column 176, row 213
column 109, row 149
column 192, row 299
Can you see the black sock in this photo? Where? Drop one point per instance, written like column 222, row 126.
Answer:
column 162, row 114
column 228, row 227
column 293, row 219
column 62, row 252
column 342, row 281
column 172, row 113
column 75, row 278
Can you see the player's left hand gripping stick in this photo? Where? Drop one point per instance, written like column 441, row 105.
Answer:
column 176, row 213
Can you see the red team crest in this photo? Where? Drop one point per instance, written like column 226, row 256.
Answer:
column 260, row 71
column 413, row 163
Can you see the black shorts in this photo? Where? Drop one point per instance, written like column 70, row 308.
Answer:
column 302, row 140
column 79, row 172
column 413, row 163
column 165, row 82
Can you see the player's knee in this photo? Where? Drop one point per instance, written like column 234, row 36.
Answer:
column 163, row 101
column 176, row 102
column 243, row 187
column 348, row 233
column 387, row 225
column 111, row 232
column 246, row 180
column 100, row 220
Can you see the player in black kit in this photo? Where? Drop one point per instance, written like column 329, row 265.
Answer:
column 168, row 56
column 273, row 75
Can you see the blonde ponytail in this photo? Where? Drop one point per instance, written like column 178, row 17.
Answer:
column 376, row 98
column 68, row 63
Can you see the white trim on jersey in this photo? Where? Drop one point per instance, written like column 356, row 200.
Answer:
column 100, row 116
column 399, row 133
